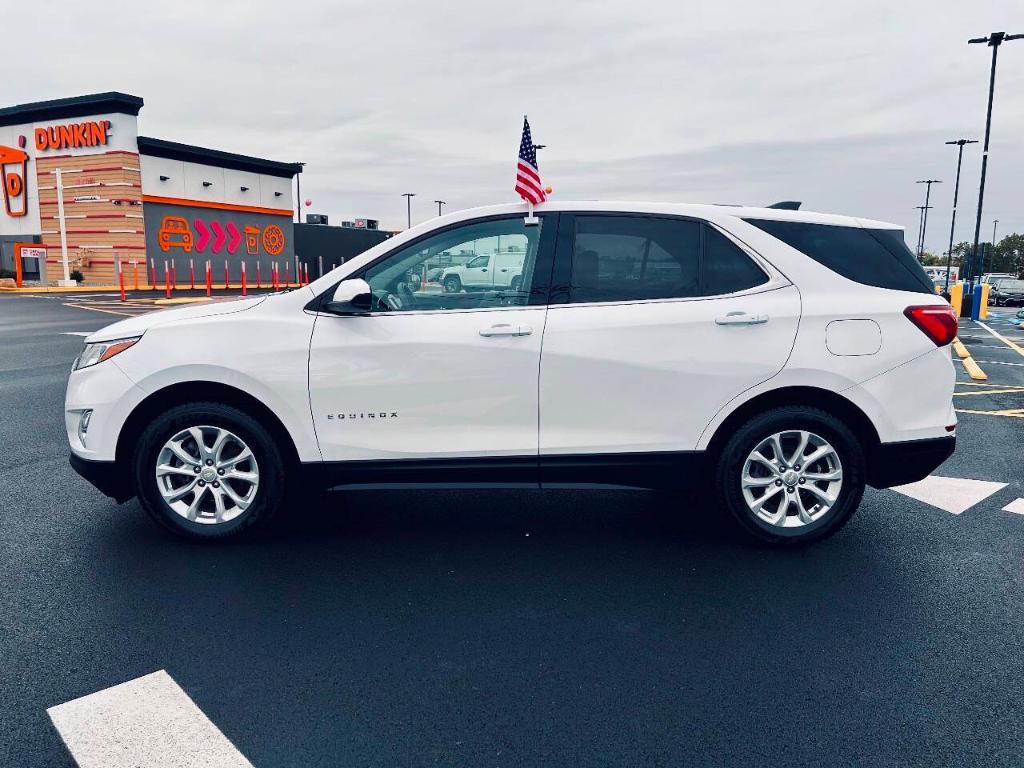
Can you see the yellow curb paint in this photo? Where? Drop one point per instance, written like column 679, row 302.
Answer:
column 960, row 349
column 973, row 370
column 62, row 289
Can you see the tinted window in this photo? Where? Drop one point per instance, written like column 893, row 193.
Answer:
column 623, row 258
column 877, row 257
column 727, row 269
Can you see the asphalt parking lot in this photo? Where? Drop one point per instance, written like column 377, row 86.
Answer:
column 522, row 628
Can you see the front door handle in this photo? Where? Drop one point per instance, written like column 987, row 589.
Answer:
column 506, row 329
column 741, row 318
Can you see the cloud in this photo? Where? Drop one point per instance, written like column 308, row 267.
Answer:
column 843, row 105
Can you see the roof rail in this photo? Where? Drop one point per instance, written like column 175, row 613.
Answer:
column 786, row 205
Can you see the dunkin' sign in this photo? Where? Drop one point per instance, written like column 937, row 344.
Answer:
column 92, row 133
column 13, row 179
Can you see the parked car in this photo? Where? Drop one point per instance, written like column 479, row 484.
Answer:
column 485, row 272
column 1006, row 291
column 993, row 276
column 777, row 360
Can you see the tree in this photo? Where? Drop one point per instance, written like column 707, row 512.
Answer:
column 1009, row 255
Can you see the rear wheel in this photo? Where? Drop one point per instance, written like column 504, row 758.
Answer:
column 791, row 476
column 208, row 471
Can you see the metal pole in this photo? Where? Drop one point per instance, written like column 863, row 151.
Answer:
column 994, row 40
column 439, row 204
column 995, row 222
column 60, row 221
column 921, row 221
column 924, row 216
column 408, row 208
column 956, row 195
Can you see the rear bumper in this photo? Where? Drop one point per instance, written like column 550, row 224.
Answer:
column 909, row 461
column 105, row 475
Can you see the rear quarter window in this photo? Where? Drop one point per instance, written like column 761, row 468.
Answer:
column 876, row 257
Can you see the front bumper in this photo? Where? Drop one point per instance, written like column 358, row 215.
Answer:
column 106, row 476
column 908, row 461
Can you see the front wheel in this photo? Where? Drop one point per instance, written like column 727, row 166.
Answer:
column 208, row 471
column 791, row 475
column 452, row 284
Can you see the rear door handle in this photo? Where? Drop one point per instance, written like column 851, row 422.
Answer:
column 506, row 329
column 741, row 318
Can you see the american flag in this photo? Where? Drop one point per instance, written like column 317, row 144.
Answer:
column 528, row 183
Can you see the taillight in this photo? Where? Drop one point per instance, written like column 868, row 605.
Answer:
column 937, row 322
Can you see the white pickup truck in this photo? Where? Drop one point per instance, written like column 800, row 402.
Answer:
column 487, row 271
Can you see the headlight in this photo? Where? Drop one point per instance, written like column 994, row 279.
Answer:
column 104, row 350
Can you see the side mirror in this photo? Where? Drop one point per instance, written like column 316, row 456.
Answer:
column 351, row 297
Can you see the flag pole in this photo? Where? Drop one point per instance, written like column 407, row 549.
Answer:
column 530, row 220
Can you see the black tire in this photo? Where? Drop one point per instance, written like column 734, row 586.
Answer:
column 452, row 284
column 516, row 282
column 269, row 493
column 739, row 446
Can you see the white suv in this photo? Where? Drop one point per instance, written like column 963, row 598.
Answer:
column 783, row 358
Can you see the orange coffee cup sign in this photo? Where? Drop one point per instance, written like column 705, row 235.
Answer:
column 12, row 179
column 92, row 133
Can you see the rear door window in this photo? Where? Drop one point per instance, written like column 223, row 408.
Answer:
column 628, row 258
column 877, row 257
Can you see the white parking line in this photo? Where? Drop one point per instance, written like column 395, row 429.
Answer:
column 78, row 333
column 1016, row 506
column 149, row 721
column 952, row 494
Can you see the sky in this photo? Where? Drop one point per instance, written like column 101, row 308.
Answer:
column 842, row 105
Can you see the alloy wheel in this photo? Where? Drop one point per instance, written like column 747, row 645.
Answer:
column 207, row 475
column 792, row 479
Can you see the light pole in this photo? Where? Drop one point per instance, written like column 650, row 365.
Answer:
column 924, row 218
column 298, row 194
column 408, row 208
column 920, row 221
column 956, row 194
column 995, row 223
column 994, row 40
column 439, row 204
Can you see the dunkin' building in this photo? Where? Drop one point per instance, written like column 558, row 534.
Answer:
column 132, row 199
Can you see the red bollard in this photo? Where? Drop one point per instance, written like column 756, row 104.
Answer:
column 209, row 278
column 152, row 274
column 305, row 268
column 275, row 278
column 174, row 277
column 135, row 266
column 192, row 274
column 244, row 291
column 167, row 279
column 287, row 276
column 120, row 278
column 258, row 282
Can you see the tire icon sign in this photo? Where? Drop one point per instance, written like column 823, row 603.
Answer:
column 273, row 239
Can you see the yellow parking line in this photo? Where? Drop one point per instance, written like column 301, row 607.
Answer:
column 97, row 309
column 960, row 349
column 1015, row 413
column 1014, row 390
column 1003, row 339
